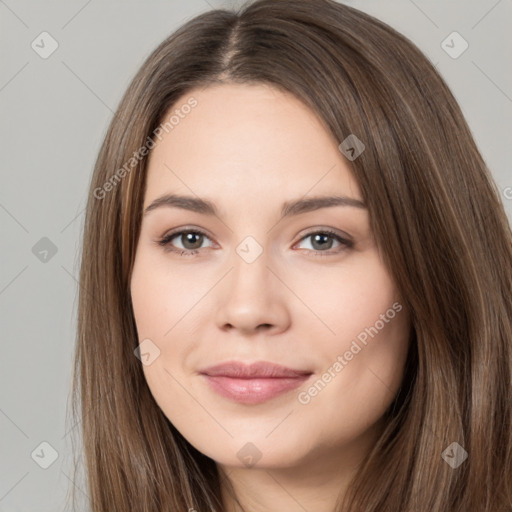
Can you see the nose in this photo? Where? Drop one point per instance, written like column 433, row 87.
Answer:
column 252, row 298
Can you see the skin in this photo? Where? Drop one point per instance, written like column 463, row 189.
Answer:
column 250, row 148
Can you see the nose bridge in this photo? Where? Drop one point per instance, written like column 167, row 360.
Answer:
column 251, row 297
column 250, row 263
column 250, row 250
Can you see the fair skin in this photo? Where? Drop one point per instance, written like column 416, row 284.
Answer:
column 249, row 149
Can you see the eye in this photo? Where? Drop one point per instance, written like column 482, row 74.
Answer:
column 323, row 239
column 192, row 240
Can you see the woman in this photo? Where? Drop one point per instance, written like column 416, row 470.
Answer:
column 244, row 372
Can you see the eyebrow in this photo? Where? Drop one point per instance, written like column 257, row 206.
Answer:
column 289, row 208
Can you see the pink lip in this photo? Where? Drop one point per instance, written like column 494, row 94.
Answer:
column 254, row 383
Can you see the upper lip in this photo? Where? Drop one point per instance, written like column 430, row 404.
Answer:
column 262, row 369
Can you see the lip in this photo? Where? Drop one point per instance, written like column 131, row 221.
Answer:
column 259, row 369
column 253, row 383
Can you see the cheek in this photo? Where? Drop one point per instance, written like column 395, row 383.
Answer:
column 158, row 305
column 158, row 297
column 165, row 305
column 346, row 299
column 364, row 340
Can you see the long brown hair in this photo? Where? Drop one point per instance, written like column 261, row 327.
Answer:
column 438, row 221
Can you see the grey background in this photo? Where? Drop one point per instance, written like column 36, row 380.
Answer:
column 55, row 112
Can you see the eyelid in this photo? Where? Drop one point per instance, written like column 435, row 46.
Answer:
column 325, row 229
column 186, row 228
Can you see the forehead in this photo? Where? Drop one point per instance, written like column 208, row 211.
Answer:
column 246, row 141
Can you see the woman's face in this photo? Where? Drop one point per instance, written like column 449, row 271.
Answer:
column 257, row 286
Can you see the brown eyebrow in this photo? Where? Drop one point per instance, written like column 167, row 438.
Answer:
column 290, row 208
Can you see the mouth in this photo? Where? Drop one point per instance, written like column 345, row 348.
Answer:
column 254, row 383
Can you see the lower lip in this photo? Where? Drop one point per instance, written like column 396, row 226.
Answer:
column 253, row 391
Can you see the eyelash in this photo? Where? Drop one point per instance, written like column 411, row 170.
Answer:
column 165, row 242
